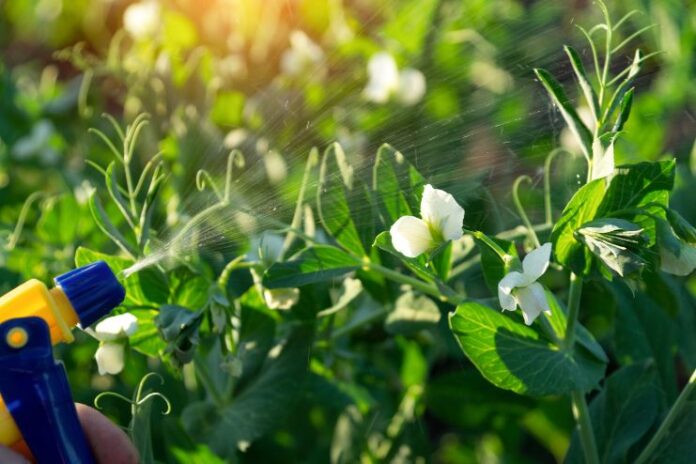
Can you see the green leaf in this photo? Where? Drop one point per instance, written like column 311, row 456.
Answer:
column 412, row 314
column 643, row 186
column 179, row 326
column 146, row 339
column 644, row 332
column 414, row 367
column 335, row 180
column 260, row 406
column 63, row 221
column 682, row 227
column 621, row 414
column 113, row 188
column 575, row 124
column 581, row 209
column 678, row 443
column 558, row 320
column 147, row 287
column 623, row 88
column 256, row 335
column 104, row 222
column 581, row 75
column 516, row 357
column 315, row 264
column 398, row 184
column 624, row 112
column 640, row 185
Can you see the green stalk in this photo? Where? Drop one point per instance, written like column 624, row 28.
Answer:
column 490, row 243
column 520, row 209
column 582, row 417
column 669, row 420
column 579, row 404
column 427, row 288
column 573, row 310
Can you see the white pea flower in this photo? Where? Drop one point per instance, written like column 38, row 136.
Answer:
column 677, row 245
column 681, row 264
column 142, row 19
column 302, row 54
column 411, row 86
column 383, row 77
column 385, row 81
column 112, row 333
column 522, row 289
column 281, row 298
column 441, row 220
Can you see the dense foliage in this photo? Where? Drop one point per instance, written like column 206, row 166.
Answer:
column 280, row 185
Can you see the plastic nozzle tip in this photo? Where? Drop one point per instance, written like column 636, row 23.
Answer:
column 93, row 291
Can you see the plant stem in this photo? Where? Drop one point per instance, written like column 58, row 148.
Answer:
column 490, row 243
column 129, row 185
column 579, row 405
column 520, row 209
column 582, row 417
column 669, row 420
column 573, row 310
column 430, row 289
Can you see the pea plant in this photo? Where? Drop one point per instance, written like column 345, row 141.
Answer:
column 277, row 324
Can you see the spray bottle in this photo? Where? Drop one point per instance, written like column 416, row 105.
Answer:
column 37, row 413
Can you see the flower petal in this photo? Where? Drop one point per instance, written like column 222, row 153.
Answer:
column 281, row 298
column 109, row 357
column 532, row 301
column 383, row 77
column 507, row 301
column 411, row 86
column 537, row 261
column 142, row 19
column 112, row 328
column 441, row 211
column 411, row 236
column 513, row 280
column 681, row 265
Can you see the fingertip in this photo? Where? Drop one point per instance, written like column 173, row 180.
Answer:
column 109, row 443
column 7, row 456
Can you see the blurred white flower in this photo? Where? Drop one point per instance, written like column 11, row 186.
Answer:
column 37, row 144
column 281, row 298
column 302, row 54
column 385, row 81
column 681, row 264
column 522, row 289
column 441, row 220
column 411, row 86
column 112, row 333
column 383, row 77
column 142, row 20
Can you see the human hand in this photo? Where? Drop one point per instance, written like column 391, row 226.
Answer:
column 108, row 442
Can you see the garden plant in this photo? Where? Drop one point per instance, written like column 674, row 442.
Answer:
column 353, row 231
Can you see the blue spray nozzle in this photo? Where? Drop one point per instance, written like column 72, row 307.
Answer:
column 93, row 291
